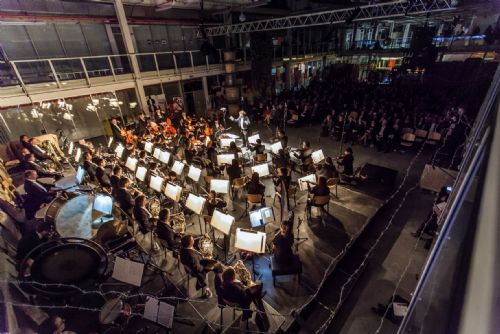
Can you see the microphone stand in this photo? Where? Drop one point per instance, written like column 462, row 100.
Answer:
column 298, row 239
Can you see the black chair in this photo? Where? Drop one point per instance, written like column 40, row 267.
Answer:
column 279, row 269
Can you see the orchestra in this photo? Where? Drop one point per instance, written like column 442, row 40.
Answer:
column 161, row 216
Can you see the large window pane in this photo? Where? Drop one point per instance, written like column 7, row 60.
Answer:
column 143, row 39
column 46, row 42
column 20, row 121
column 160, row 38
column 16, row 43
column 97, row 39
column 73, row 40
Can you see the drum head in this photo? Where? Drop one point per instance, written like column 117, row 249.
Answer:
column 76, row 264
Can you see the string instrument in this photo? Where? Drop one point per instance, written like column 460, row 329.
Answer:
column 130, row 138
column 154, row 128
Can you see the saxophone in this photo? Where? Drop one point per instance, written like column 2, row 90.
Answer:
column 243, row 274
column 54, row 163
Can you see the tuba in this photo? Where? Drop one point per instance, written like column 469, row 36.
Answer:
column 243, row 274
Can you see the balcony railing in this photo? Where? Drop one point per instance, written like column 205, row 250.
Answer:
column 105, row 68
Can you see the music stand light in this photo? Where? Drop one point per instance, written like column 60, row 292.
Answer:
column 262, row 170
column 219, row 186
column 194, row 173
column 224, row 159
column 304, row 180
column 318, row 156
column 131, row 164
column 276, row 147
column 173, row 191
column 250, row 241
column 140, row 173
column 148, row 147
column 178, row 167
column 156, row 183
column 253, row 139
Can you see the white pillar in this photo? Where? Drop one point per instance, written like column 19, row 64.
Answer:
column 406, row 33
column 129, row 47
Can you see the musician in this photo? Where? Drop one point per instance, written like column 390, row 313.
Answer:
column 281, row 160
column 159, row 115
column 124, row 197
column 214, row 202
column 101, row 174
column 233, row 171
column 283, row 174
column 347, row 161
column 30, row 241
column 220, row 130
column 327, row 170
column 30, row 163
column 114, row 180
column 89, row 166
column 142, row 215
column 321, row 189
column 37, row 194
column 117, row 131
column 243, row 123
column 255, row 187
column 304, row 155
column 233, row 149
column 164, row 230
column 141, row 127
column 191, row 258
column 25, row 142
column 39, row 152
column 258, row 148
column 142, row 160
column 151, row 105
column 283, row 243
column 281, row 137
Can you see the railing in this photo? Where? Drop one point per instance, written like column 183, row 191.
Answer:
column 59, row 71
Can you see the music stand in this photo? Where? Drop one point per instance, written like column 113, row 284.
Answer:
column 261, row 217
column 140, row 173
column 194, row 174
column 253, row 139
column 223, row 223
column 148, row 147
column 177, row 167
column 131, row 164
column 224, row 159
column 226, row 142
column 196, row 205
column 159, row 312
column 156, row 153
column 173, row 191
column 276, row 147
column 219, row 186
column 119, row 149
column 318, row 156
column 303, row 181
column 262, row 170
column 164, row 157
column 156, row 183
column 251, row 241
column 78, row 154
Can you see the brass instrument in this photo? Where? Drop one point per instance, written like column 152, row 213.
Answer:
column 243, row 274
column 206, row 247
column 54, row 164
column 154, row 206
column 178, row 222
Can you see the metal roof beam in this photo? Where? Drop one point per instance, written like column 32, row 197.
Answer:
column 366, row 13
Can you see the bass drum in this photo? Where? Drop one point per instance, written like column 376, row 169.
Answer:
column 64, row 267
column 53, row 209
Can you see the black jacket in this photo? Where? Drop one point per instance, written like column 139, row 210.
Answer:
column 125, row 201
column 141, row 217
column 102, row 177
column 36, row 195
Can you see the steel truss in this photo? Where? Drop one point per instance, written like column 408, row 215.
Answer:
column 366, row 13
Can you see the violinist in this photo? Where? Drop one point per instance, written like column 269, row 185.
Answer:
column 214, row 202
column 169, row 130
column 258, row 148
column 327, row 170
column 233, row 149
column 159, row 116
column 281, row 137
column 304, row 155
column 347, row 161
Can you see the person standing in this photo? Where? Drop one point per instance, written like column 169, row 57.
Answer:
column 243, row 123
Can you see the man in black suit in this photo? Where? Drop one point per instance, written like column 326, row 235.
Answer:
column 191, row 258
column 258, row 147
column 142, row 215
column 114, row 180
column 101, row 174
column 142, row 125
column 37, row 194
column 25, row 142
column 117, row 131
column 124, row 198
column 89, row 166
column 164, row 231
column 30, row 241
column 31, row 164
column 243, row 123
column 347, row 161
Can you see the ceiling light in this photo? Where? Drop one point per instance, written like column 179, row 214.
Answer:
column 242, row 17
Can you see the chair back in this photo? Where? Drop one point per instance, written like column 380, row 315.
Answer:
column 261, row 157
column 408, row 137
column 332, row 182
column 321, row 200
column 407, row 130
column 421, row 133
column 254, row 198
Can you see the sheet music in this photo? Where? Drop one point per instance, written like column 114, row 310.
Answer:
column 303, row 181
column 131, row 164
column 156, row 153
column 222, row 222
column 78, row 154
column 262, row 169
column 225, row 142
column 256, row 218
column 253, row 139
column 276, row 147
column 159, row 312
column 173, row 191
column 225, row 159
column 317, row 156
column 103, row 204
column 194, row 173
column 219, row 186
column 251, row 241
column 156, row 182
column 119, row 151
column 164, row 157
column 195, row 203
column 70, row 149
column 148, row 146
column 140, row 174
column 267, row 214
column 178, row 167
column 128, row 271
